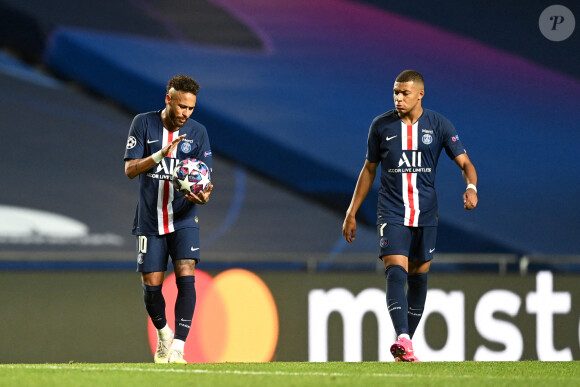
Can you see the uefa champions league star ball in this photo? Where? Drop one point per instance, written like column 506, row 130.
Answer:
column 191, row 175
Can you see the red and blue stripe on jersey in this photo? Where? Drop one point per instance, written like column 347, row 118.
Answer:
column 166, row 193
column 409, row 192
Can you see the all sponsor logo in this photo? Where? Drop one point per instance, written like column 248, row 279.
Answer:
column 164, row 169
column 410, row 163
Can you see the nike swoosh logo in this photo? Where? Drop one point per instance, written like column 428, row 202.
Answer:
column 431, row 250
column 151, row 141
column 194, row 249
column 390, row 138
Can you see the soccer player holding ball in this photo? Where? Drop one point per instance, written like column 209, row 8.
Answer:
column 407, row 142
column 166, row 221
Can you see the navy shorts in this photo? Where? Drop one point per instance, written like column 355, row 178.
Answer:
column 153, row 251
column 415, row 243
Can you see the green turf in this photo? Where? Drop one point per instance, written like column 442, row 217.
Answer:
column 278, row 374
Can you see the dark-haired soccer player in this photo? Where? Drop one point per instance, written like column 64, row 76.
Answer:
column 407, row 142
column 166, row 221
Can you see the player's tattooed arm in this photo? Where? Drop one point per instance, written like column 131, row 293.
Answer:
column 135, row 167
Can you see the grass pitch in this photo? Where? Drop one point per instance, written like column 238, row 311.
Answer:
column 524, row 373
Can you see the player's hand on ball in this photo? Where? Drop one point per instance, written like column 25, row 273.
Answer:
column 201, row 197
column 469, row 199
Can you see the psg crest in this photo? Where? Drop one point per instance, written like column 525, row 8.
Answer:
column 186, row 147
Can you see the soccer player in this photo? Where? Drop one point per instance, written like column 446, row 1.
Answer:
column 407, row 142
column 166, row 221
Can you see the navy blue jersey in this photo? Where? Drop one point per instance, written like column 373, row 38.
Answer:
column 162, row 209
column 408, row 155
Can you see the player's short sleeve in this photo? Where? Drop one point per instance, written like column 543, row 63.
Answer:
column 373, row 145
column 450, row 139
column 135, row 147
column 205, row 153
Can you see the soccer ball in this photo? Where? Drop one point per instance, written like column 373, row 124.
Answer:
column 191, row 175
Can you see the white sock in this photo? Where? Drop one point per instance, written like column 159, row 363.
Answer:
column 164, row 332
column 404, row 336
column 178, row 345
